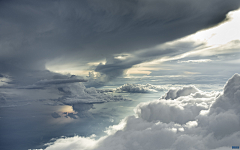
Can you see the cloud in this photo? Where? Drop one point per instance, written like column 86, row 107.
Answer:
column 55, row 115
column 80, row 32
column 71, row 115
column 3, row 99
column 57, row 90
column 117, row 67
column 192, row 49
column 95, row 79
column 181, row 109
column 139, row 88
column 196, row 61
column 200, row 120
column 184, row 91
column 49, row 82
column 76, row 93
column 59, row 81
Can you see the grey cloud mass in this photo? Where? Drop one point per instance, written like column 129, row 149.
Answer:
column 46, row 83
column 77, row 93
column 139, row 88
column 115, row 67
column 35, row 32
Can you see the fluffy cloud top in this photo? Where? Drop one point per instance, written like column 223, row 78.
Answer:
column 194, row 121
column 184, row 91
column 139, row 88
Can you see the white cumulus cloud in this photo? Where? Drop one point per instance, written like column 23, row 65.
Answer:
column 174, row 93
column 195, row 120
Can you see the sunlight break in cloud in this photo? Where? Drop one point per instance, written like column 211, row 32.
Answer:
column 223, row 33
column 221, row 39
column 196, row 61
column 196, row 120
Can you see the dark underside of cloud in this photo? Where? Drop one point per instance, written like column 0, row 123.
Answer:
column 35, row 32
column 193, row 120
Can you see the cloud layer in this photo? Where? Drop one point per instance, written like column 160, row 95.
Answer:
column 198, row 120
column 77, row 93
column 35, row 33
column 139, row 88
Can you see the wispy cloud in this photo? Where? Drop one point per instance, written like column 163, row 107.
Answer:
column 196, row 61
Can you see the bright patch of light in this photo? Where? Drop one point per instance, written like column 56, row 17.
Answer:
column 75, row 142
column 67, row 109
column 174, row 130
column 221, row 39
column 66, row 68
column 113, row 129
column 96, row 63
column 221, row 34
column 138, row 71
column 122, row 56
column 145, row 68
column 191, row 124
column 4, row 81
column 190, row 73
column 181, row 129
column 60, row 65
column 204, row 112
column 196, row 61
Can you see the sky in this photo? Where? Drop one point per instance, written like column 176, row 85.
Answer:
column 84, row 55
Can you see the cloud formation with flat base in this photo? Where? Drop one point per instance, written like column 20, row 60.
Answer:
column 77, row 93
column 139, row 88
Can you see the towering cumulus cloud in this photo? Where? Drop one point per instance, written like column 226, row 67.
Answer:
column 196, row 120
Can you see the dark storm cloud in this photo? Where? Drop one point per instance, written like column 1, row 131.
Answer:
column 34, row 32
column 116, row 67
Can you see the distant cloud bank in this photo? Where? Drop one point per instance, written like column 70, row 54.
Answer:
column 139, row 88
column 77, row 93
